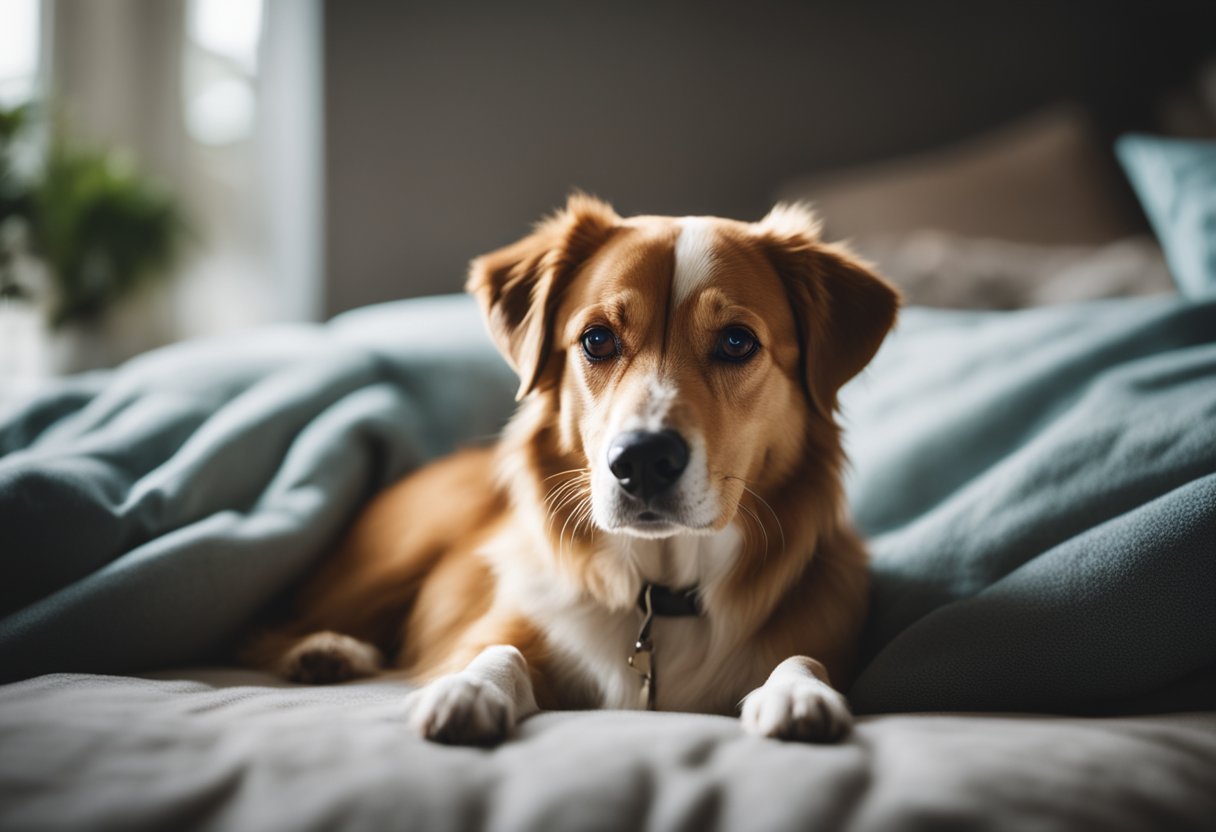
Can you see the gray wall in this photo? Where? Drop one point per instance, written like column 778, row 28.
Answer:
column 452, row 126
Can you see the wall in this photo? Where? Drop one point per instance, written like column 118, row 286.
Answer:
column 451, row 126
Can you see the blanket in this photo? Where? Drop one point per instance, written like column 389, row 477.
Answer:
column 230, row 750
column 1039, row 488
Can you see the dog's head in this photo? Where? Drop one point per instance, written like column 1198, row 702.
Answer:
column 686, row 360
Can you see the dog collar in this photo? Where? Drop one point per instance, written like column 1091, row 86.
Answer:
column 655, row 599
column 666, row 602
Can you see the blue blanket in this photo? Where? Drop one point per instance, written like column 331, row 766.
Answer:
column 1039, row 487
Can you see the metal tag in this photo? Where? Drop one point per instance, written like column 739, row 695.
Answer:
column 642, row 660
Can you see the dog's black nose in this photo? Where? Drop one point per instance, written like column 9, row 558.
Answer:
column 646, row 462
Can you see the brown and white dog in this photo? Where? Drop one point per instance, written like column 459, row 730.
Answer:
column 675, row 462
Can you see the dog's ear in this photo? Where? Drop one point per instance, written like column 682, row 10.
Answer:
column 843, row 309
column 519, row 287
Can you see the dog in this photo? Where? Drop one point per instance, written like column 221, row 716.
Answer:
column 661, row 524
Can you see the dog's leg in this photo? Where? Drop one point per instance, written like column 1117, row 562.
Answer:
column 478, row 705
column 797, row 703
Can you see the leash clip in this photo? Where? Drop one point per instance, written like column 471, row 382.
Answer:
column 642, row 660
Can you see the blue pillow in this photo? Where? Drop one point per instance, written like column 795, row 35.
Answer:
column 1176, row 182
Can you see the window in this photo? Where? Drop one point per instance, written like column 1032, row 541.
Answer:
column 19, row 42
column 221, row 70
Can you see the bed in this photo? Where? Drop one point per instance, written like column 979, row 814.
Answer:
column 1038, row 485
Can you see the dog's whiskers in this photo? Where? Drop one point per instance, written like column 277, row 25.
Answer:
column 579, row 475
column 765, row 503
column 564, row 493
column 586, row 513
column 581, row 512
column 746, row 537
column 776, row 519
column 586, row 471
column 575, row 498
column 756, row 519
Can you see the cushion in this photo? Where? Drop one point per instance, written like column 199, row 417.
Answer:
column 1176, row 182
column 1045, row 179
column 937, row 268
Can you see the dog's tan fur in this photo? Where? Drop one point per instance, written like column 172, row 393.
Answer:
column 511, row 545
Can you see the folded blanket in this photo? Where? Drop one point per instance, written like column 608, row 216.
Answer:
column 147, row 515
column 1040, row 487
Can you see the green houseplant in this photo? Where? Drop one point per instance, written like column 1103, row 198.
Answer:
column 102, row 229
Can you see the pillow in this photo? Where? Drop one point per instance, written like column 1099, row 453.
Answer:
column 937, row 268
column 1176, row 182
column 1045, row 179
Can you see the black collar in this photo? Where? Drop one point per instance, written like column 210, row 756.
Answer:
column 670, row 603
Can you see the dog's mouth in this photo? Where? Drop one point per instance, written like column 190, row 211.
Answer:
column 651, row 523
column 656, row 523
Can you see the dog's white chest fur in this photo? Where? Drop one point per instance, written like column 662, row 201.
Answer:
column 693, row 655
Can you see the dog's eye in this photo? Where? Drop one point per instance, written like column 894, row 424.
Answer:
column 736, row 343
column 599, row 343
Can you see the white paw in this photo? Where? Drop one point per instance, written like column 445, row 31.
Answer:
column 796, row 709
column 461, row 710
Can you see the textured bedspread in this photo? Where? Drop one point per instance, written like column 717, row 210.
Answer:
column 101, row 752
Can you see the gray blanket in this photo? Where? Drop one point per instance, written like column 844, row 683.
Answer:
column 232, row 753
column 1040, row 487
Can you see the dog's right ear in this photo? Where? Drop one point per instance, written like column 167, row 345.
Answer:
column 518, row 287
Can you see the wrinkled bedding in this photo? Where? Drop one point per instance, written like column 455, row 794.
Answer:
column 1039, row 488
column 232, row 752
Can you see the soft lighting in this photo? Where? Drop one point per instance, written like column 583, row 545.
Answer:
column 222, row 113
column 221, row 103
column 18, row 50
column 228, row 28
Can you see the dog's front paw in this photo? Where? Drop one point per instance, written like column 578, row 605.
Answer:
column 461, row 710
column 326, row 657
column 803, row 709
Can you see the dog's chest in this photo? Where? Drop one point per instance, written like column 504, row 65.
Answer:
column 694, row 668
column 698, row 663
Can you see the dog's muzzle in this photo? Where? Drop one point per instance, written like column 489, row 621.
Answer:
column 647, row 463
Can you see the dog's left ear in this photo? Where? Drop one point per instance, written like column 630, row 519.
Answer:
column 843, row 308
column 518, row 287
